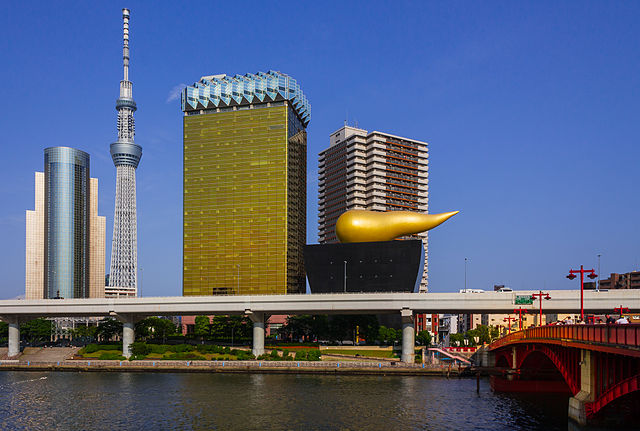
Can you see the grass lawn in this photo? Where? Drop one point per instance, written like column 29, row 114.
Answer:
column 96, row 354
column 369, row 353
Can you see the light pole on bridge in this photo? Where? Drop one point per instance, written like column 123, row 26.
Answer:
column 519, row 312
column 572, row 275
column 509, row 319
column 540, row 295
column 621, row 310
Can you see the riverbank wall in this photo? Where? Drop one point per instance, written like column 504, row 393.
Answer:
column 283, row 367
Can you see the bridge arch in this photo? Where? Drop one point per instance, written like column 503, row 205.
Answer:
column 623, row 388
column 561, row 359
column 503, row 360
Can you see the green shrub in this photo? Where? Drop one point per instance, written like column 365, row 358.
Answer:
column 136, row 357
column 92, row 348
column 159, row 348
column 140, row 348
column 243, row 355
column 108, row 356
column 181, row 348
column 313, row 355
column 274, row 355
column 308, row 355
column 181, row 356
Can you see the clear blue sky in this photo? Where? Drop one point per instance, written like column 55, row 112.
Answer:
column 531, row 110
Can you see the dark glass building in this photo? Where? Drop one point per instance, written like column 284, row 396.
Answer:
column 66, row 222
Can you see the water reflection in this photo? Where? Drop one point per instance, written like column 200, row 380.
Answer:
column 146, row 401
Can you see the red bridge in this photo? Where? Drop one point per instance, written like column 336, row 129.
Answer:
column 596, row 364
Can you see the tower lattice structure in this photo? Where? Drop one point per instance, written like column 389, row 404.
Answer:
column 126, row 156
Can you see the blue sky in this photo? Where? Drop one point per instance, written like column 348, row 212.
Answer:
column 531, row 110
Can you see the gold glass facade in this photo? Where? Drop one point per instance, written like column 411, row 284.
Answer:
column 244, row 220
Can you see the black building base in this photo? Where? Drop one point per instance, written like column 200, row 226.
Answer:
column 386, row 266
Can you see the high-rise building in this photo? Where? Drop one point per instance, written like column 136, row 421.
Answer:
column 371, row 171
column 126, row 156
column 64, row 234
column 244, row 202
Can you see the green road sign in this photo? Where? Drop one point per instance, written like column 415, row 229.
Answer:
column 524, row 300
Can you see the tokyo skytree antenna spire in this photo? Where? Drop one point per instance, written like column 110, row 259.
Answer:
column 126, row 156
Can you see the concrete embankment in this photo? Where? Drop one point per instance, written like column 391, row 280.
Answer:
column 293, row 367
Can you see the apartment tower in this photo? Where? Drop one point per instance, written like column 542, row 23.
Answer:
column 371, row 171
column 65, row 237
column 244, row 194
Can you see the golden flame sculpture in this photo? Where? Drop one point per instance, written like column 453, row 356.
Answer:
column 369, row 226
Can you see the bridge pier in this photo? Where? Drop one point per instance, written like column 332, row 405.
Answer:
column 577, row 403
column 408, row 337
column 258, row 332
column 128, row 337
column 128, row 331
column 14, row 338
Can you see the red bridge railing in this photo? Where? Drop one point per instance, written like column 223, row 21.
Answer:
column 619, row 335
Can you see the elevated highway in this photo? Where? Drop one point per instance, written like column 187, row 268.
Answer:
column 130, row 310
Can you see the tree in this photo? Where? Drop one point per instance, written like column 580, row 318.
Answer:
column 4, row 330
column 108, row 328
column 388, row 335
column 87, row 332
column 37, row 330
column 424, row 337
column 154, row 327
column 202, row 326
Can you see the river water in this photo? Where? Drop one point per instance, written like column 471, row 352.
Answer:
column 182, row 401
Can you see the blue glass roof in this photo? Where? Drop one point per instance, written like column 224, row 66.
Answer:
column 217, row 91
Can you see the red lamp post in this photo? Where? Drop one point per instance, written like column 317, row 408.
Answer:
column 540, row 295
column 621, row 310
column 519, row 312
column 509, row 319
column 572, row 275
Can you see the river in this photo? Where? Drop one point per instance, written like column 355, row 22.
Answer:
column 183, row 401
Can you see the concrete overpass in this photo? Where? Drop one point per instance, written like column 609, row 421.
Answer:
column 130, row 310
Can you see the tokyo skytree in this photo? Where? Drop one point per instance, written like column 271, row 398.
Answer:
column 126, row 156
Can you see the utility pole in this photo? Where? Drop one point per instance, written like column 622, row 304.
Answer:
column 345, row 276
column 465, row 273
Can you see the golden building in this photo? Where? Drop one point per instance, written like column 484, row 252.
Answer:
column 244, row 195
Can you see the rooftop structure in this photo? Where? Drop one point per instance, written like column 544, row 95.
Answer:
column 221, row 91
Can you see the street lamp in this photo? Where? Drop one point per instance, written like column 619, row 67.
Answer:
column 465, row 273
column 621, row 310
column 345, row 276
column 519, row 311
column 540, row 295
column 572, row 275
column 509, row 319
column 238, row 288
column 598, row 285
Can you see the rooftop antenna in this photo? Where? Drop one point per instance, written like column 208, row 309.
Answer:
column 125, row 45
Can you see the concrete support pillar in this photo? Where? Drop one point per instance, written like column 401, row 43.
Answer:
column 408, row 336
column 587, row 393
column 128, row 337
column 14, row 339
column 258, row 332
